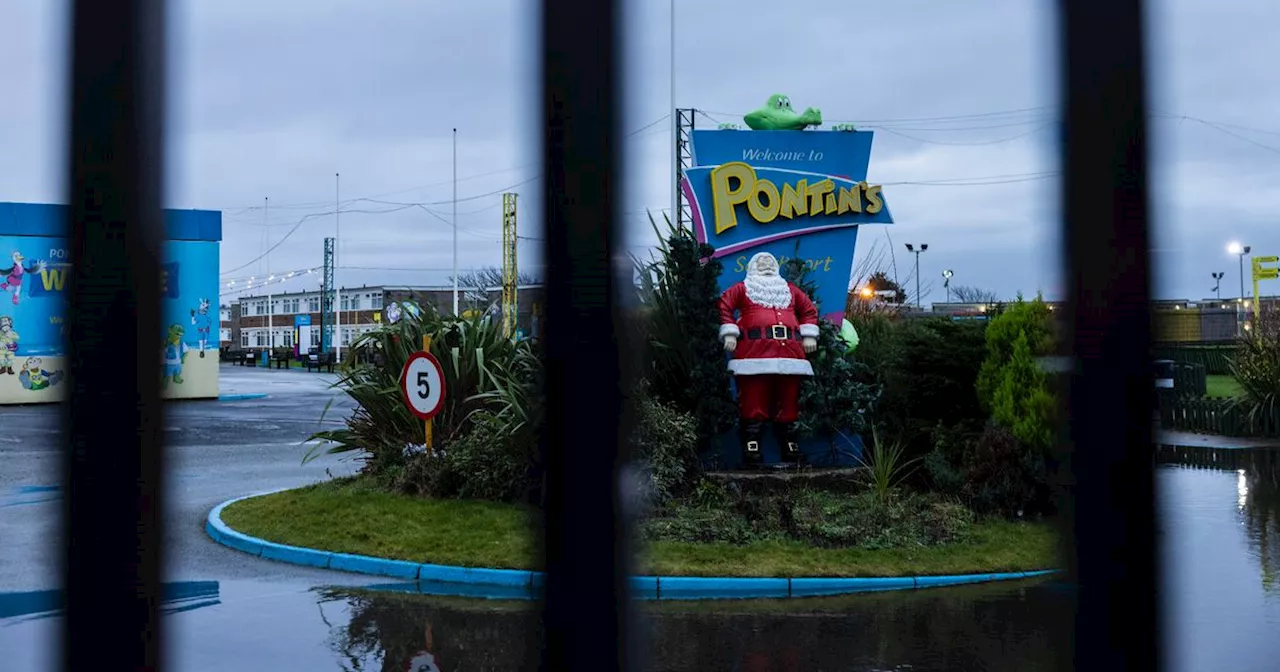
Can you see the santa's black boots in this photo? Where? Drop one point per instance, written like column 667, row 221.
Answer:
column 752, row 451
column 788, row 444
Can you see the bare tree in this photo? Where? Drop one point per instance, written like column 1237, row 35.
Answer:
column 475, row 286
column 971, row 294
column 490, row 277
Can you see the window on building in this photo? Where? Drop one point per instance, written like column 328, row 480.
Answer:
column 260, row 338
column 346, row 302
column 355, row 302
column 313, row 304
column 315, row 338
column 288, row 339
column 224, row 335
column 376, row 302
column 244, row 339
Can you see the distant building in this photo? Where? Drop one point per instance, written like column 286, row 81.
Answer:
column 256, row 326
column 227, row 331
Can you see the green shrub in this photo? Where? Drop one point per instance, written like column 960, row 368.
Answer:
column 1030, row 320
column 1256, row 367
column 683, row 360
column 949, row 452
column 840, row 397
column 483, row 370
column 930, row 370
column 664, row 442
column 1021, row 399
column 1003, row 476
column 816, row 517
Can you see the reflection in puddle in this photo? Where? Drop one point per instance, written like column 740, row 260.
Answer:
column 175, row 597
column 1008, row 627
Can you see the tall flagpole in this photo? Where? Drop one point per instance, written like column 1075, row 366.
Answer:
column 271, row 340
column 337, row 245
column 675, row 127
column 456, row 223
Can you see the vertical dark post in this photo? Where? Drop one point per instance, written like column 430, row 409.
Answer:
column 113, row 467
column 586, row 610
column 1111, row 510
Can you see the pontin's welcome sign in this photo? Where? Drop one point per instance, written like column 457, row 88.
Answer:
column 788, row 193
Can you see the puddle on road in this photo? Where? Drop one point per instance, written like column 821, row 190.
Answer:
column 257, row 625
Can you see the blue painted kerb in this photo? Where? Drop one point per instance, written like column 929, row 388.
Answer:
column 241, row 397
column 501, row 581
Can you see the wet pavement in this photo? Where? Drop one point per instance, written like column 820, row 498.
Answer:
column 226, row 610
column 217, row 450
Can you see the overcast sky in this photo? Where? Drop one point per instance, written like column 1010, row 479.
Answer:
column 271, row 99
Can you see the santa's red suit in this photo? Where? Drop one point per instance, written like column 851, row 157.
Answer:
column 767, row 322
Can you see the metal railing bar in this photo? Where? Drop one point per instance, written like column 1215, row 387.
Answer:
column 586, row 609
column 1110, row 508
column 113, row 470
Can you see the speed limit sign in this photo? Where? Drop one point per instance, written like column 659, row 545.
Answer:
column 423, row 385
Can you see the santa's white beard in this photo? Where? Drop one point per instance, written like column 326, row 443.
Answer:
column 770, row 291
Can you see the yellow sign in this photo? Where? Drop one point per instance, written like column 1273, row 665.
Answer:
column 1261, row 272
column 765, row 202
column 377, row 317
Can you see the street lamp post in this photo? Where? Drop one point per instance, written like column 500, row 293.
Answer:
column 946, row 282
column 1217, row 283
column 1240, row 250
column 923, row 247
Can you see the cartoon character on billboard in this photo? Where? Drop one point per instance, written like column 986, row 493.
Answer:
column 8, row 345
column 203, row 323
column 34, row 377
column 14, row 274
column 175, row 354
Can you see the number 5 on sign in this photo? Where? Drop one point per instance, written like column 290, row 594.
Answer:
column 423, row 385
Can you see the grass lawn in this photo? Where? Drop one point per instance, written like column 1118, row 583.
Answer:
column 1221, row 386
column 349, row 516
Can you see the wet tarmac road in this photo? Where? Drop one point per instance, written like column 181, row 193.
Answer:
column 226, row 610
column 217, row 450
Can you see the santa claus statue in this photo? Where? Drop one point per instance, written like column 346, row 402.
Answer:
column 769, row 325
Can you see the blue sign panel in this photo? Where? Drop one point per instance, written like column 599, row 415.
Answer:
column 794, row 194
column 790, row 193
column 35, row 269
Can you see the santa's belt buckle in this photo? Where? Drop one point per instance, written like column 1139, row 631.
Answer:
column 779, row 332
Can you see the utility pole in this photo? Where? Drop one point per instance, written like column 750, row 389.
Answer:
column 455, row 223
column 675, row 129
column 1217, row 283
column 911, row 248
column 1240, row 251
column 271, row 332
column 337, row 243
column 946, row 282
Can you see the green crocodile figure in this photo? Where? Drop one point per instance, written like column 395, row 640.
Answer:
column 777, row 115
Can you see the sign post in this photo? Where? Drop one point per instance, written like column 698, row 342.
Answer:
column 422, row 383
column 1261, row 272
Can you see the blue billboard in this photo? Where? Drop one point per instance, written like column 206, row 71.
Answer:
column 35, row 268
column 795, row 194
column 790, row 193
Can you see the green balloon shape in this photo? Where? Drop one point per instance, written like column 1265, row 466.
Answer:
column 849, row 335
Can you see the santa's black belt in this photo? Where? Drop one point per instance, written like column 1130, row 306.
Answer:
column 777, row 332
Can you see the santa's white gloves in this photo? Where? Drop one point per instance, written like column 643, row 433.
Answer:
column 810, row 344
column 730, row 343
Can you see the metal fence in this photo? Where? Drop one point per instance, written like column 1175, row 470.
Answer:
column 1224, row 417
column 115, row 461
